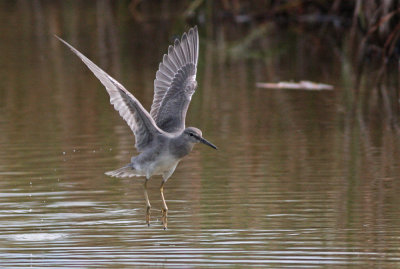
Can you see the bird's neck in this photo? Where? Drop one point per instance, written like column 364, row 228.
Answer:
column 180, row 147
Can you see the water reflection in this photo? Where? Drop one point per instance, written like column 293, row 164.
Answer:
column 301, row 179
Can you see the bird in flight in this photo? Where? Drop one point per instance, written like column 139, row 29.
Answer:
column 161, row 137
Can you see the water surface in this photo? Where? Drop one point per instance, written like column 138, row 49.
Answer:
column 299, row 180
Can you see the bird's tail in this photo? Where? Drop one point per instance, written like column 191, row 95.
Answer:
column 126, row 171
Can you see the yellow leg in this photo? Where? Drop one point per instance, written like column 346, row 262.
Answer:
column 165, row 208
column 147, row 203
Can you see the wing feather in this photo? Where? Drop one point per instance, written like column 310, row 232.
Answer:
column 175, row 83
column 130, row 109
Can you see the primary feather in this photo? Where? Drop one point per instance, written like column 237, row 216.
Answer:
column 175, row 83
column 130, row 109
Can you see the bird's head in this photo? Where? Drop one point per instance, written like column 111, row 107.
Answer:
column 194, row 135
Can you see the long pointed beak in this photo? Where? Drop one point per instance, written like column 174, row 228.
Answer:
column 208, row 143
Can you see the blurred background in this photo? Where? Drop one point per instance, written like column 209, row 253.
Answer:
column 303, row 178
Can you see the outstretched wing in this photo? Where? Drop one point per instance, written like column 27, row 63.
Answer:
column 130, row 109
column 175, row 83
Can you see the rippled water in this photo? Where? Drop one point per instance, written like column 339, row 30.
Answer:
column 298, row 181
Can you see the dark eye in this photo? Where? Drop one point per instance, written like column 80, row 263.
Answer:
column 190, row 134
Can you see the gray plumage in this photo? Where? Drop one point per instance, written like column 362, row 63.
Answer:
column 175, row 83
column 161, row 136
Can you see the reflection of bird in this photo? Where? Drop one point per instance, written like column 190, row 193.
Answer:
column 161, row 136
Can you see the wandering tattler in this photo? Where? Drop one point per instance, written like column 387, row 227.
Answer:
column 161, row 136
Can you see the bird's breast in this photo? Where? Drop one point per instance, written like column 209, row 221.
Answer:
column 163, row 163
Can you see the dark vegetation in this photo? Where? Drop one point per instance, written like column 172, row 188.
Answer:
column 363, row 35
column 365, row 32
